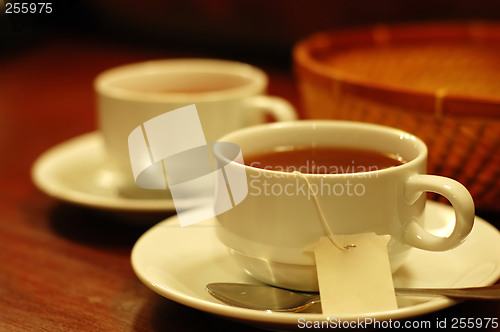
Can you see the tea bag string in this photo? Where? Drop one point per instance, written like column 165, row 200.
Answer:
column 324, row 223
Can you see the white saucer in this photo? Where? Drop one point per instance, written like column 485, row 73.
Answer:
column 177, row 262
column 74, row 172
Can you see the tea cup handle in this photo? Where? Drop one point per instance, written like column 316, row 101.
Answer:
column 459, row 197
column 278, row 108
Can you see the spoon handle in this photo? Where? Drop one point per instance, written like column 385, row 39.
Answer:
column 485, row 293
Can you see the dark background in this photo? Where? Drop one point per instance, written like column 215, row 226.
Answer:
column 244, row 29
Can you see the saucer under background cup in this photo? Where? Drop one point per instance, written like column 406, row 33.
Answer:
column 75, row 172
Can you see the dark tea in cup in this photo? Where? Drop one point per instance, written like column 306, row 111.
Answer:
column 322, row 160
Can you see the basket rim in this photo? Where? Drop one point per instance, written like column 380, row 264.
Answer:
column 439, row 102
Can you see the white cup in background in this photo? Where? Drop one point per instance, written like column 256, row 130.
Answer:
column 228, row 96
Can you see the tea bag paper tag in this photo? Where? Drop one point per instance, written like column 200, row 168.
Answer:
column 357, row 279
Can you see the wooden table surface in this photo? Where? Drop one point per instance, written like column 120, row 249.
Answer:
column 67, row 268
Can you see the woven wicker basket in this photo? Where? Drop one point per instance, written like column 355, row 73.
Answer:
column 438, row 81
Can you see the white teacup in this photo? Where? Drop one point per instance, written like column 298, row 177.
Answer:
column 228, row 95
column 271, row 232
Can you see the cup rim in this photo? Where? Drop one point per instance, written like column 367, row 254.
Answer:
column 258, row 80
column 420, row 146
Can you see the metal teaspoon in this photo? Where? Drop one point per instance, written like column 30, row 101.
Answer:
column 263, row 297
